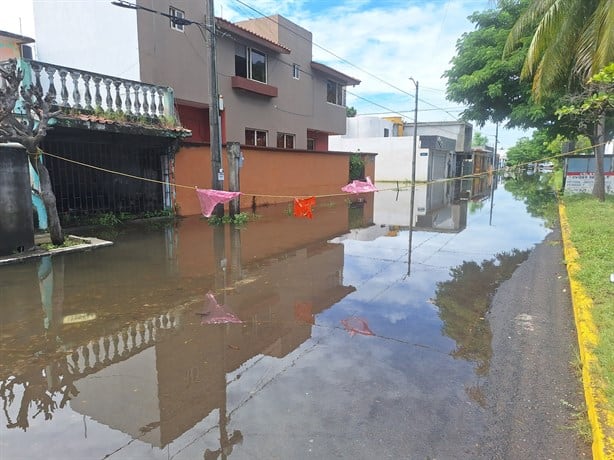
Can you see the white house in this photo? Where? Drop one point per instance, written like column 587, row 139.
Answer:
column 435, row 153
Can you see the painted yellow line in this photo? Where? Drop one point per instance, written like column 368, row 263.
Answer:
column 598, row 413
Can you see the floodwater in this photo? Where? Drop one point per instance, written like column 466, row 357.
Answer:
column 291, row 338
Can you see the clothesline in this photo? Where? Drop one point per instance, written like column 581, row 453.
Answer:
column 407, row 185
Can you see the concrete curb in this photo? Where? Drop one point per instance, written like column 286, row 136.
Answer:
column 88, row 244
column 596, row 404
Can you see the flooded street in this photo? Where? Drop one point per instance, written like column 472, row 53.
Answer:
column 288, row 339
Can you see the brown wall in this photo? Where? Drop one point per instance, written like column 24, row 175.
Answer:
column 268, row 175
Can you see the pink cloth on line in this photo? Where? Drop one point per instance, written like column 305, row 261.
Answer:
column 357, row 186
column 209, row 199
column 216, row 313
column 356, row 325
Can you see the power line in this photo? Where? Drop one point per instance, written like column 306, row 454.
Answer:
column 263, row 15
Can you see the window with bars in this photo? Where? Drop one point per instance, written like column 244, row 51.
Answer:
column 285, row 141
column 255, row 137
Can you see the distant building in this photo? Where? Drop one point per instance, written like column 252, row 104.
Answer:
column 438, row 147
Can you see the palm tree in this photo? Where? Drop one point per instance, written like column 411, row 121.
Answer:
column 572, row 41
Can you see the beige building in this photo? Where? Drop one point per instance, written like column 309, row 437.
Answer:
column 273, row 93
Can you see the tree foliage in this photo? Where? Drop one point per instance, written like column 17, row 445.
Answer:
column 571, row 40
column 479, row 139
column 488, row 84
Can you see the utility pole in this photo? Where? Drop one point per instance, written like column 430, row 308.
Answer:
column 209, row 34
column 214, row 109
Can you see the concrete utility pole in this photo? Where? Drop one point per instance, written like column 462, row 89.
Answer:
column 208, row 31
column 214, row 107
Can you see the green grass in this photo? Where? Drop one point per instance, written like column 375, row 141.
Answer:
column 592, row 233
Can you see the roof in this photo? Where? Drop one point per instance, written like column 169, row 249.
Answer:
column 346, row 79
column 249, row 35
column 21, row 39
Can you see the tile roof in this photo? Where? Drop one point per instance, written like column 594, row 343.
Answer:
column 249, row 35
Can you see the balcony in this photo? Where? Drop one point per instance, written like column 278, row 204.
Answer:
column 90, row 96
column 254, row 86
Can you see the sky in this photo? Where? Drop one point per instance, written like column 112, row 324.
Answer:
column 380, row 42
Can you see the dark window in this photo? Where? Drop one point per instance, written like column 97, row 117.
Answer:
column 241, row 61
column 386, row 132
column 285, row 141
column 176, row 13
column 250, row 63
column 335, row 93
column 296, row 71
column 311, row 144
column 255, row 137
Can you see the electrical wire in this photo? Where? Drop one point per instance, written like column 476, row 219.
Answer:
column 328, row 195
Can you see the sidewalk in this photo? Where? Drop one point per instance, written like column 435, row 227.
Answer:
column 87, row 244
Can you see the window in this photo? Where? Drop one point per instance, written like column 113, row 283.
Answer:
column 311, row 144
column 335, row 93
column 255, row 137
column 250, row 63
column 296, row 71
column 386, row 132
column 285, row 141
column 176, row 13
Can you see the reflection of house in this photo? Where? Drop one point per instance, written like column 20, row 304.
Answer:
column 273, row 93
column 435, row 154
column 436, row 208
column 183, row 378
column 275, row 277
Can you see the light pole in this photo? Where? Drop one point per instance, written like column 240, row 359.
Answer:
column 214, row 106
column 413, row 176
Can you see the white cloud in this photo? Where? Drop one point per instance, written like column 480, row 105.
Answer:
column 381, row 43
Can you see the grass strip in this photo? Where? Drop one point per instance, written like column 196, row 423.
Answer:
column 591, row 224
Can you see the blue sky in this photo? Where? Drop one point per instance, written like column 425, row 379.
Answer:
column 382, row 43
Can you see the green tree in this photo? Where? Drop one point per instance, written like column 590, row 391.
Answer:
column 24, row 117
column 593, row 110
column 490, row 85
column 571, row 41
column 350, row 112
column 479, row 139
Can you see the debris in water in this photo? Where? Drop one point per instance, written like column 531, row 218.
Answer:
column 217, row 314
column 356, row 325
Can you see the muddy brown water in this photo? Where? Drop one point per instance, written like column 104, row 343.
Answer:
column 115, row 353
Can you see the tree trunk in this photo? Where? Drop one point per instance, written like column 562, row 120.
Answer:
column 599, row 142
column 55, row 229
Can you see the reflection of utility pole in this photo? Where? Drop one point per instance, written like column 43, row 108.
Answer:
column 413, row 177
column 493, row 173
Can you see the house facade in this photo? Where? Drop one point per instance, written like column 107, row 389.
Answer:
column 435, row 154
column 272, row 93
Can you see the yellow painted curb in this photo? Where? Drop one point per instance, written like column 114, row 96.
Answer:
column 596, row 404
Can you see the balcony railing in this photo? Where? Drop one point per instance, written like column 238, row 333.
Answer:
column 87, row 91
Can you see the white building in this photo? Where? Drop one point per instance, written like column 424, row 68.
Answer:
column 436, row 148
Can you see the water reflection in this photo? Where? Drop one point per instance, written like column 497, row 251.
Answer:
column 464, row 301
column 119, row 336
column 111, row 353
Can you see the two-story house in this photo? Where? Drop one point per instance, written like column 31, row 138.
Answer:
column 275, row 101
column 273, row 93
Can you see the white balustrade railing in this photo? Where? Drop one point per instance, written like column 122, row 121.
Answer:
column 82, row 90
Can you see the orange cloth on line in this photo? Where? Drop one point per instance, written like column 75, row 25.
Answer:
column 302, row 207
